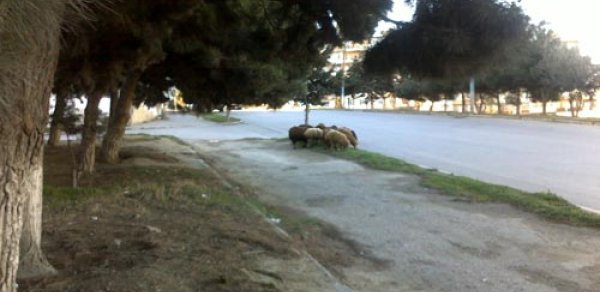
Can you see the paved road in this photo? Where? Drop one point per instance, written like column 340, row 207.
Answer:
column 428, row 242
column 534, row 156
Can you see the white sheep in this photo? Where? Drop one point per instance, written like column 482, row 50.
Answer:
column 312, row 135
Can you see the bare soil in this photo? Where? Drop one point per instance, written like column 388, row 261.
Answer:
column 162, row 220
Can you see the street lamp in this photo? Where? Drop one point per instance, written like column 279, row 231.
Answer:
column 343, row 93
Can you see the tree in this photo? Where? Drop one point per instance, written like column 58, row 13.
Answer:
column 553, row 68
column 373, row 85
column 56, row 124
column 319, row 83
column 546, row 53
column 426, row 89
column 28, row 55
column 227, row 42
column 448, row 38
column 263, row 51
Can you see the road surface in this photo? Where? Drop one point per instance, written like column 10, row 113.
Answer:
column 529, row 155
column 427, row 242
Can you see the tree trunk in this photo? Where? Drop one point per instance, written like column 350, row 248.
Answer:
column 338, row 102
column 591, row 101
column 28, row 54
column 481, row 105
column 87, row 148
column 18, row 148
column 372, row 101
column 544, row 106
column 33, row 263
column 114, row 99
column 464, row 103
column 431, row 107
column 57, row 119
column 111, row 143
column 499, row 103
column 571, row 107
column 228, row 113
column 578, row 105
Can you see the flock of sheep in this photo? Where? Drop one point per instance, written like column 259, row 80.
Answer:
column 333, row 137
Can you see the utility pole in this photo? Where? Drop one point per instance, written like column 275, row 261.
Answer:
column 472, row 94
column 343, row 93
column 306, row 108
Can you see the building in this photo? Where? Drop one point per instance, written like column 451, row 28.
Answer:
column 343, row 57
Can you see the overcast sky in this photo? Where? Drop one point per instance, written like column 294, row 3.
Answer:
column 571, row 20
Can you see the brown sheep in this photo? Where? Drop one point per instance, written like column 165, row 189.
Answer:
column 351, row 135
column 336, row 140
column 296, row 134
column 325, row 140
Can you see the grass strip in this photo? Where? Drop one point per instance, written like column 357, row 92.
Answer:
column 218, row 118
column 544, row 204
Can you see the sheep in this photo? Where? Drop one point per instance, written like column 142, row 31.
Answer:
column 297, row 134
column 312, row 135
column 325, row 140
column 321, row 126
column 351, row 135
column 336, row 140
column 351, row 131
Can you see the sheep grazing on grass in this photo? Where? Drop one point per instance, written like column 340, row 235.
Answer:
column 296, row 134
column 333, row 137
column 312, row 135
column 325, row 131
column 351, row 135
column 336, row 140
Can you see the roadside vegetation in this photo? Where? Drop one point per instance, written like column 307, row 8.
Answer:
column 550, row 117
column 155, row 223
column 219, row 118
column 546, row 205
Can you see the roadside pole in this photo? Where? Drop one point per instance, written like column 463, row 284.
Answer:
column 472, row 94
column 343, row 93
column 306, row 109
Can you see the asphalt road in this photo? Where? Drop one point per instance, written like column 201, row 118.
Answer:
column 534, row 156
column 422, row 241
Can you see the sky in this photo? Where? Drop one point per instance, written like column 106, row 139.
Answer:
column 572, row 20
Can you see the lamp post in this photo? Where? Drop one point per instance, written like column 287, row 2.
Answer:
column 343, row 93
column 472, row 94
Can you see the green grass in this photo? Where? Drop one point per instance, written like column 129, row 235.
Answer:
column 546, row 205
column 57, row 197
column 218, row 118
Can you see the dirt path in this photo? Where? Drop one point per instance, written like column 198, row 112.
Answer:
column 430, row 242
column 163, row 220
